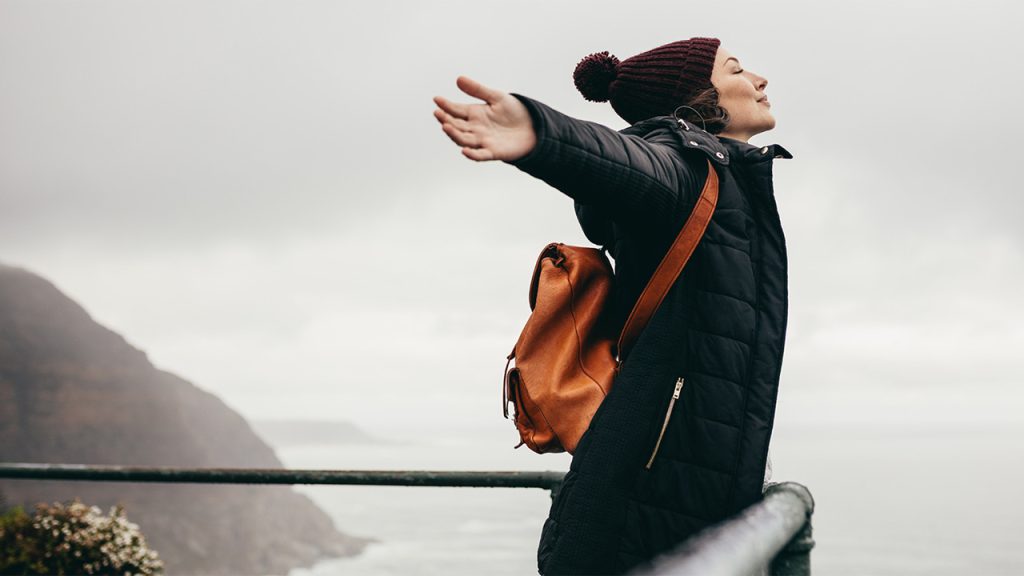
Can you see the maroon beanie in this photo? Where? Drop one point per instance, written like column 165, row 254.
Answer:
column 653, row 83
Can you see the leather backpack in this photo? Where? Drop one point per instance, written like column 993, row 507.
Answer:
column 568, row 355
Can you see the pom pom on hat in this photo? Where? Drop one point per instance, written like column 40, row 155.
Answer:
column 594, row 75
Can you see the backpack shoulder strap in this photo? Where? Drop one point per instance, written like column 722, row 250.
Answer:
column 671, row 265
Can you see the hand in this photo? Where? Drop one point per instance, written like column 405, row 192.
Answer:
column 498, row 129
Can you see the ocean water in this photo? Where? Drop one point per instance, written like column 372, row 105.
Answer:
column 429, row 530
column 889, row 501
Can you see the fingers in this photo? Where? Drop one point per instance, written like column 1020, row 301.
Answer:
column 478, row 154
column 470, row 143
column 473, row 88
column 454, row 108
column 462, row 138
column 478, row 90
column 453, row 117
column 446, row 118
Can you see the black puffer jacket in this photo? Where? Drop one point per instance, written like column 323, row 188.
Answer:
column 721, row 329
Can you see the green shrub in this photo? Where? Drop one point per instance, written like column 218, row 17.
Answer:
column 73, row 539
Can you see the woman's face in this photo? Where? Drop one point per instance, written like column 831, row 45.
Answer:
column 741, row 93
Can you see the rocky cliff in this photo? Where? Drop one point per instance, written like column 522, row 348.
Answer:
column 72, row 391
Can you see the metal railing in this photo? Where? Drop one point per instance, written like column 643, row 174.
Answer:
column 546, row 480
column 772, row 536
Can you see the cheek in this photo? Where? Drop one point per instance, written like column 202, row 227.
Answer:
column 730, row 104
column 734, row 95
column 726, row 91
column 737, row 106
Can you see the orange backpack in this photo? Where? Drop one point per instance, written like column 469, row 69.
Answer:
column 567, row 356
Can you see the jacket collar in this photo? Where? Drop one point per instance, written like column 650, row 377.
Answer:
column 718, row 149
column 749, row 153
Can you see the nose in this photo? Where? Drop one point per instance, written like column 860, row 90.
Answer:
column 760, row 82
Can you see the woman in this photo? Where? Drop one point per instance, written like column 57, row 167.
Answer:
column 721, row 328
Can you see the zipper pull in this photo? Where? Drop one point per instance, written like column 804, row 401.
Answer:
column 664, row 425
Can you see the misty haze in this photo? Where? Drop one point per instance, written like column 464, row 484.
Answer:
column 231, row 234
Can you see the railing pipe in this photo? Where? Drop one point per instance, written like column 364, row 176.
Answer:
column 773, row 534
column 546, row 480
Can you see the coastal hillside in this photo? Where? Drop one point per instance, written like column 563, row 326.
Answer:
column 72, row 391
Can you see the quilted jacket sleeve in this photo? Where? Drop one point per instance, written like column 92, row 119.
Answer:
column 622, row 174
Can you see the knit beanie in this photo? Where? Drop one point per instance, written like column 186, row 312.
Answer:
column 652, row 83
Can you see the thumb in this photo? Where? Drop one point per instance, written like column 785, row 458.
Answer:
column 478, row 90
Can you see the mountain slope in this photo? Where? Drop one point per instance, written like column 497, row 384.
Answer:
column 72, row 391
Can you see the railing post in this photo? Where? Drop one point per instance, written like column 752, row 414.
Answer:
column 795, row 558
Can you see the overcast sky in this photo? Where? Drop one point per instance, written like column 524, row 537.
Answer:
column 256, row 194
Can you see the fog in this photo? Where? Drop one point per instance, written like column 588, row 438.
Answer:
column 256, row 194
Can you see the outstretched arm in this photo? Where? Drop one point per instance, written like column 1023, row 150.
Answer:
column 624, row 174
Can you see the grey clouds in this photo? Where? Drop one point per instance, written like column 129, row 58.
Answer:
column 257, row 195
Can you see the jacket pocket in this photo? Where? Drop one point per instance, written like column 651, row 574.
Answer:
column 664, row 425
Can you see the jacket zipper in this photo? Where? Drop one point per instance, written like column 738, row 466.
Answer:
column 664, row 425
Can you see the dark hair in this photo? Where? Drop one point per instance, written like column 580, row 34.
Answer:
column 715, row 118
